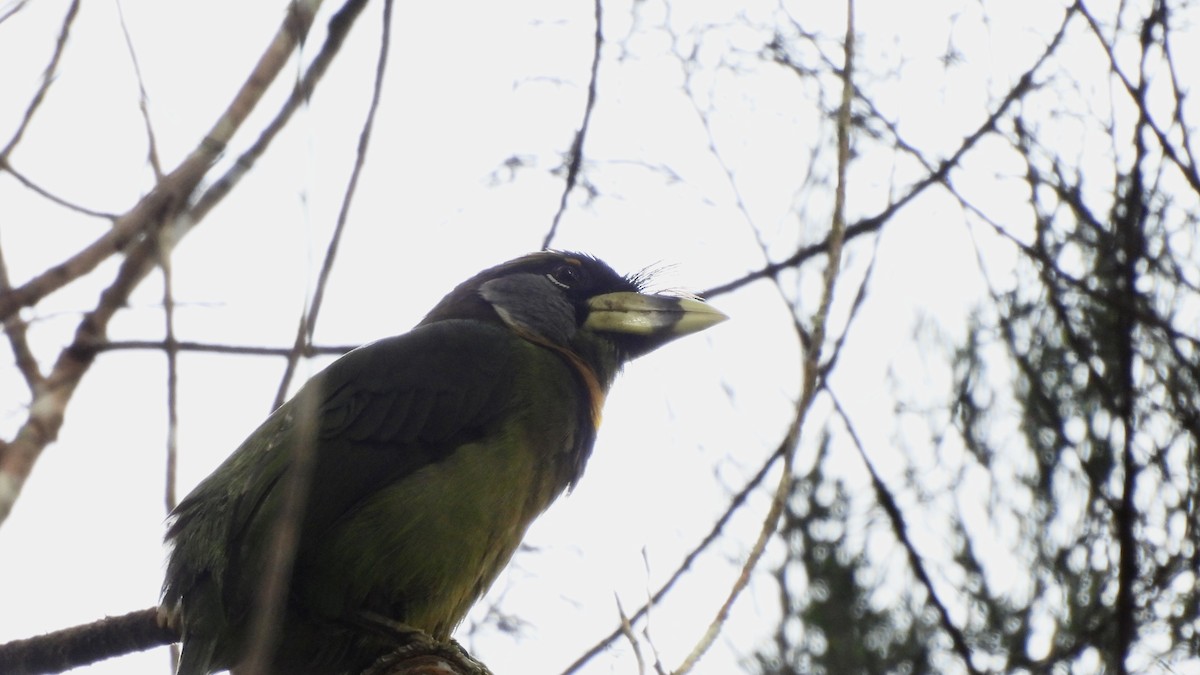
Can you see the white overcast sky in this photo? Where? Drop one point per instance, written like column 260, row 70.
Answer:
column 470, row 85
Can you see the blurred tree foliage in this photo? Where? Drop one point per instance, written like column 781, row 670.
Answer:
column 1075, row 411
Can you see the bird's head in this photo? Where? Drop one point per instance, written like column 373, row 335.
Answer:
column 576, row 303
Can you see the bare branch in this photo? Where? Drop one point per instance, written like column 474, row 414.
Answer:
column 16, row 329
column 271, row 599
column 171, row 349
column 1137, row 93
column 13, row 7
column 86, row 644
column 812, row 358
column 634, row 644
column 574, row 158
column 48, row 77
column 241, row 350
column 937, row 176
column 714, row 533
column 308, row 321
column 339, row 27
column 143, row 99
column 899, row 527
column 34, row 187
column 165, row 209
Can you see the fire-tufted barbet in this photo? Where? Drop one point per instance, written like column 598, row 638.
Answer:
column 432, row 452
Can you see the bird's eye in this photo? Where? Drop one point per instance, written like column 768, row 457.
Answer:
column 565, row 276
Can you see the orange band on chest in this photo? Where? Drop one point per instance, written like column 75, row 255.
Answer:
column 595, row 391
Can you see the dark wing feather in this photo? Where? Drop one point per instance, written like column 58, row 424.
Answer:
column 392, row 407
column 384, row 410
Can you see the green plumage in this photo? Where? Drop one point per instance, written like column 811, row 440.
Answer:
column 434, row 451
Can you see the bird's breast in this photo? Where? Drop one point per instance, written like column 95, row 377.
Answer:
column 424, row 549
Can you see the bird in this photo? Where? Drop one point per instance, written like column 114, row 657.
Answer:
column 431, row 453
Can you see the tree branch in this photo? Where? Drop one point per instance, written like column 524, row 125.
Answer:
column 154, row 224
column 574, row 158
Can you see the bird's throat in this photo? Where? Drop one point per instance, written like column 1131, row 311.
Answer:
column 595, row 389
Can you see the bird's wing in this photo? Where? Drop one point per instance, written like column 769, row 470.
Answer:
column 394, row 406
column 383, row 410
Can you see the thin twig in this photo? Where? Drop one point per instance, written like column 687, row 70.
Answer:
column 739, row 200
column 16, row 328
column 240, row 350
column 308, row 320
column 812, row 364
column 631, row 636
column 1135, row 92
column 171, row 194
column 770, row 521
column 171, row 349
column 143, row 99
column 574, row 159
column 1179, row 90
column 335, row 35
column 937, row 176
column 884, row 496
column 48, row 77
column 271, row 600
column 165, row 209
column 13, row 7
column 50, row 196
column 735, row 504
